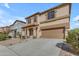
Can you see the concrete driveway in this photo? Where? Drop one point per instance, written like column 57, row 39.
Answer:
column 33, row 47
column 4, row 51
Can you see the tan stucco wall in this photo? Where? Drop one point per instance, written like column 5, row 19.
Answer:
column 66, row 20
column 62, row 11
column 59, row 12
column 43, row 17
column 32, row 19
column 58, row 23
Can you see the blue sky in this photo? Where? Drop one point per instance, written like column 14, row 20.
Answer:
column 14, row 11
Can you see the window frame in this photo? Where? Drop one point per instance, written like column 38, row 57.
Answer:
column 51, row 14
column 35, row 18
column 29, row 21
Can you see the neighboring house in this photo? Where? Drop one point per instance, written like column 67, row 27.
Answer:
column 4, row 29
column 52, row 23
column 15, row 28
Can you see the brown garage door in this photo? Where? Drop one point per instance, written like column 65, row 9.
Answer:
column 53, row 33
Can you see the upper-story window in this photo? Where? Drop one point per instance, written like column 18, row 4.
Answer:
column 35, row 19
column 51, row 14
column 29, row 21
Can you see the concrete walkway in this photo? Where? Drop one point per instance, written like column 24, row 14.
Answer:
column 34, row 47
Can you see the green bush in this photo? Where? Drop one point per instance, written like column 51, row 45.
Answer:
column 73, row 38
column 3, row 36
column 9, row 36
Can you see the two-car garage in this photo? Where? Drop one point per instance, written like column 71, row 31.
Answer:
column 57, row 33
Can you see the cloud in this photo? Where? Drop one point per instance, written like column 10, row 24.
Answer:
column 7, row 19
column 74, row 25
column 75, row 22
column 6, row 5
column 4, row 18
column 76, row 19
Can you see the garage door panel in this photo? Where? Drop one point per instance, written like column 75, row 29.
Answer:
column 53, row 33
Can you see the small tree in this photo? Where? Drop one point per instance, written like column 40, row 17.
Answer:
column 73, row 38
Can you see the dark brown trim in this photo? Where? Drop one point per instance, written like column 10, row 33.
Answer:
column 32, row 25
column 70, row 6
column 32, row 15
column 64, row 32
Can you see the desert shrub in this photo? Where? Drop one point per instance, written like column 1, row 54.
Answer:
column 3, row 36
column 9, row 36
column 73, row 38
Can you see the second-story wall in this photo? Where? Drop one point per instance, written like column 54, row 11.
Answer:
column 60, row 11
column 33, row 19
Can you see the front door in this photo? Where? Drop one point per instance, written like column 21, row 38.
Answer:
column 31, row 32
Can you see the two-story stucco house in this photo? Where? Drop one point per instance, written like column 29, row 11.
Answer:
column 52, row 23
column 15, row 28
